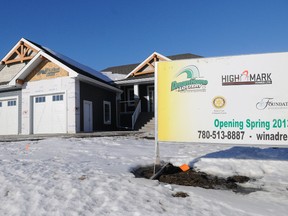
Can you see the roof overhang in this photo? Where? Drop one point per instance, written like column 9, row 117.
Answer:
column 135, row 81
column 98, row 83
column 4, row 88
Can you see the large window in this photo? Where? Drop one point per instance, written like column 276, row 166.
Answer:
column 107, row 112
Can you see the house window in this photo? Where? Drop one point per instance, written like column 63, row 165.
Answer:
column 41, row 99
column 107, row 112
column 12, row 103
column 57, row 97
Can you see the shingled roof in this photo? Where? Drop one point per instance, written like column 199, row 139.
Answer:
column 75, row 66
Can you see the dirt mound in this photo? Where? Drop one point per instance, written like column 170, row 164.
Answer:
column 174, row 175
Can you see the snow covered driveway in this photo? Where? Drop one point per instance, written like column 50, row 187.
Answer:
column 91, row 176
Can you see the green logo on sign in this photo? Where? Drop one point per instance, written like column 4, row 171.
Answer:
column 188, row 79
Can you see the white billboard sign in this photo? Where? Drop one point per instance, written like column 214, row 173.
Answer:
column 238, row 99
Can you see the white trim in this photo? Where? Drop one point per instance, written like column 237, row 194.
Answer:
column 136, row 81
column 104, row 112
column 144, row 62
column 9, row 98
column 9, row 87
column 136, row 91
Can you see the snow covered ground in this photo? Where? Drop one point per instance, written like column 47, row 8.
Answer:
column 90, row 176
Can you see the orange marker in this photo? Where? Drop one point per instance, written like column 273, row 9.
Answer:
column 184, row 167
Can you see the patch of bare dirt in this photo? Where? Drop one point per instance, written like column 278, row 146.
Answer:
column 171, row 174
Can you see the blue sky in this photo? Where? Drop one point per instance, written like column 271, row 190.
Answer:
column 113, row 32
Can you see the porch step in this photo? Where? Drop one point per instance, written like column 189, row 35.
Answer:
column 149, row 126
column 145, row 122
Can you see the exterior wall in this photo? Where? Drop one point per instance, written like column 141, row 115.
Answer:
column 97, row 96
column 8, row 72
column 11, row 95
column 50, row 86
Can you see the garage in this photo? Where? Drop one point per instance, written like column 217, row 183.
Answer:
column 49, row 114
column 9, row 116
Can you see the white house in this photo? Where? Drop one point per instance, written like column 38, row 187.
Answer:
column 42, row 92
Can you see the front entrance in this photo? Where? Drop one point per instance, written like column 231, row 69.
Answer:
column 88, row 116
column 150, row 90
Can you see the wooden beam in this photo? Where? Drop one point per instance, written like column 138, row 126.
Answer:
column 20, row 81
column 22, row 51
column 151, row 65
column 43, row 58
column 143, row 72
column 18, row 60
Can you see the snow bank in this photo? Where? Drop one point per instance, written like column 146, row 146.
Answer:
column 90, row 176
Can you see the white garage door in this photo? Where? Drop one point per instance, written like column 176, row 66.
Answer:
column 49, row 114
column 8, row 117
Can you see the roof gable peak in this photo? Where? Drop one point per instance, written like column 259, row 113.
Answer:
column 148, row 65
column 23, row 51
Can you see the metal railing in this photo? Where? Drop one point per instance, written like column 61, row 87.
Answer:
column 136, row 113
column 129, row 112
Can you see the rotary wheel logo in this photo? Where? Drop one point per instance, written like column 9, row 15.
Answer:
column 219, row 102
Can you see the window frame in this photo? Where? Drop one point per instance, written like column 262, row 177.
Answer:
column 108, row 121
column 58, row 97
column 11, row 103
column 40, row 99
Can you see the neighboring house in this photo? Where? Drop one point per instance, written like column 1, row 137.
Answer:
column 137, row 103
column 43, row 92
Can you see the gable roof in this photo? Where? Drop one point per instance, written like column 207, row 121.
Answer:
column 184, row 56
column 148, row 65
column 75, row 68
column 122, row 69
column 126, row 69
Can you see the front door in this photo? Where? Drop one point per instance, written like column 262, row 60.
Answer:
column 150, row 98
column 88, row 116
